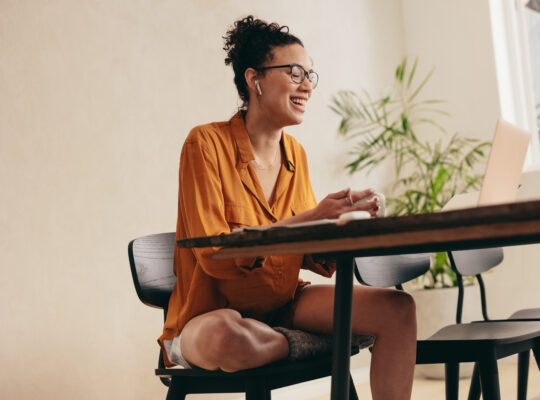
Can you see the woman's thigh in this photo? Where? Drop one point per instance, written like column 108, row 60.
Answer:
column 373, row 309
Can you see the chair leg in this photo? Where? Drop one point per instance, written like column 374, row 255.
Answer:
column 474, row 390
column 352, row 390
column 489, row 377
column 176, row 390
column 536, row 352
column 523, row 374
column 256, row 389
column 452, row 380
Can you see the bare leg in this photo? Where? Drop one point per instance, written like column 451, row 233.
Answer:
column 386, row 313
column 222, row 339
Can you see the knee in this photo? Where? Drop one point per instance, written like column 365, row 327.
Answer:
column 401, row 309
column 222, row 337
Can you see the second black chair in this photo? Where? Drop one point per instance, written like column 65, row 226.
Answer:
column 483, row 342
column 474, row 263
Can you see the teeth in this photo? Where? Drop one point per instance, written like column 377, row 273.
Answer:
column 297, row 100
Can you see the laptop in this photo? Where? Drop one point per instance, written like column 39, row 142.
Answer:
column 503, row 170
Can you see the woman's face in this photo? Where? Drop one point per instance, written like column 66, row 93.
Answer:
column 282, row 100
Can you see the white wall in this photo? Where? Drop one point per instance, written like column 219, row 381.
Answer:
column 96, row 98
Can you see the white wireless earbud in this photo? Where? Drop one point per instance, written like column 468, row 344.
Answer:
column 258, row 87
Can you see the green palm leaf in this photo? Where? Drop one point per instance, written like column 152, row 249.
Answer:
column 428, row 172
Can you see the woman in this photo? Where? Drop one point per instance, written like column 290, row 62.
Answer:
column 248, row 172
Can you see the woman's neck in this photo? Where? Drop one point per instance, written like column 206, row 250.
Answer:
column 264, row 135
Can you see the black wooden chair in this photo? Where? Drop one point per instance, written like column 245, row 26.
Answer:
column 480, row 342
column 151, row 261
column 473, row 263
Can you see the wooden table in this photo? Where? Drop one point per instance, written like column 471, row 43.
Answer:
column 480, row 227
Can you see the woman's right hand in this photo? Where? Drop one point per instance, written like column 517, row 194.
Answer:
column 335, row 204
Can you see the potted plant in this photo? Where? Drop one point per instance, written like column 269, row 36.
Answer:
column 428, row 172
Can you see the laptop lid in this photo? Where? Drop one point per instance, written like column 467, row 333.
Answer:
column 503, row 170
column 505, row 163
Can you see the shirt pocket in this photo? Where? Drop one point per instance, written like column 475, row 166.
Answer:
column 239, row 215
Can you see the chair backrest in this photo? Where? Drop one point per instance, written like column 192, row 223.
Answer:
column 151, row 260
column 474, row 262
column 387, row 271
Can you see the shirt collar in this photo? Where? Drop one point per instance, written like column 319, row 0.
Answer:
column 245, row 151
column 287, row 151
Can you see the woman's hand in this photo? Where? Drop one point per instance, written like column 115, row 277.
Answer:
column 335, row 204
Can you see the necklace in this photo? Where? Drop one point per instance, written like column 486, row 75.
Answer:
column 271, row 165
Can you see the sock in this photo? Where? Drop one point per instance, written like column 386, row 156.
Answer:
column 304, row 344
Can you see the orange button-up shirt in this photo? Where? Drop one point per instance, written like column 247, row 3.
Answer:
column 219, row 191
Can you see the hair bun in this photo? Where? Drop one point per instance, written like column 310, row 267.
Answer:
column 249, row 30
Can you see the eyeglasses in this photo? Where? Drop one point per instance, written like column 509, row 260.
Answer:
column 298, row 73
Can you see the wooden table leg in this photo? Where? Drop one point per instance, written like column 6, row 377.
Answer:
column 341, row 345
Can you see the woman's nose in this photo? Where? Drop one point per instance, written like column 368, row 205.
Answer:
column 306, row 85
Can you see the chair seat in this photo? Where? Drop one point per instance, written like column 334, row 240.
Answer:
column 283, row 366
column 276, row 375
column 466, row 341
column 528, row 313
column 500, row 331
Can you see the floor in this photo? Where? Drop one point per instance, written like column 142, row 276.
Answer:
column 423, row 389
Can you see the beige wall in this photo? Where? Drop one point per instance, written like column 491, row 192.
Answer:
column 454, row 37
column 96, row 98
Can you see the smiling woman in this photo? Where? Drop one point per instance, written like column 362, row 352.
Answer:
column 248, row 172
column 282, row 91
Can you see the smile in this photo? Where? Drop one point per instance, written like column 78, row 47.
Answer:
column 299, row 100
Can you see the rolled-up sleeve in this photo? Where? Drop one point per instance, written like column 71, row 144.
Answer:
column 319, row 266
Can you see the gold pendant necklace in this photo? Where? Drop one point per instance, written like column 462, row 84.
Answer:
column 271, row 165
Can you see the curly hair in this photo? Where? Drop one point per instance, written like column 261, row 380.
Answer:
column 249, row 44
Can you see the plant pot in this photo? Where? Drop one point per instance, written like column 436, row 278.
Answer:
column 436, row 308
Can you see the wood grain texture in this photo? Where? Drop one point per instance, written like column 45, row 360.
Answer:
column 506, row 224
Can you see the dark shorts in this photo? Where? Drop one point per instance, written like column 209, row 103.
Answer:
column 283, row 316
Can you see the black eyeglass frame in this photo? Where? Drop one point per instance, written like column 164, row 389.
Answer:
column 307, row 74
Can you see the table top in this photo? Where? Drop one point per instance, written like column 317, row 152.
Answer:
column 487, row 226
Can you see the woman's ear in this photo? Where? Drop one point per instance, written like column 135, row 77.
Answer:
column 251, row 77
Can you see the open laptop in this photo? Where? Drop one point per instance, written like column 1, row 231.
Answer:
column 503, row 170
